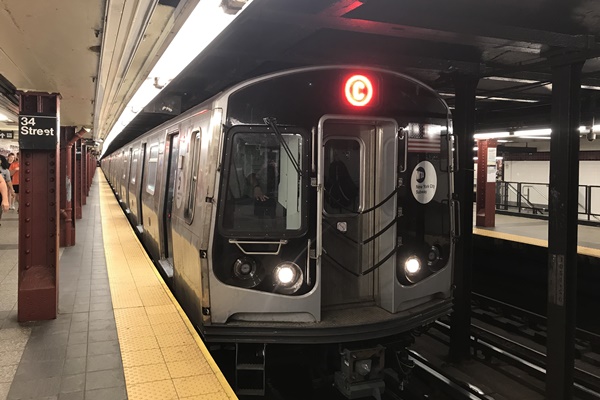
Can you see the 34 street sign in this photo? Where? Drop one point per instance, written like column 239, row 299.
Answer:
column 37, row 132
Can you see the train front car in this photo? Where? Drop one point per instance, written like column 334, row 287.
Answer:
column 334, row 218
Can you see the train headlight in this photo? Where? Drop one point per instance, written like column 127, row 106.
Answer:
column 287, row 277
column 412, row 267
column 246, row 271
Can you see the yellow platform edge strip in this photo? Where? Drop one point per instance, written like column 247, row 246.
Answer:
column 586, row 251
column 213, row 365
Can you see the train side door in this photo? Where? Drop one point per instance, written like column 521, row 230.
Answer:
column 172, row 151
column 128, row 178
column 358, row 170
column 140, row 188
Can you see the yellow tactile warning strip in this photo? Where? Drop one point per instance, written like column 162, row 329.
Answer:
column 586, row 251
column 163, row 356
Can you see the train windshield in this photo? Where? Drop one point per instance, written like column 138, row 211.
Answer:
column 262, row 188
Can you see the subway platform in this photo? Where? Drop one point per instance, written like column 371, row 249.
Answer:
column 535, row 232
column 119, row 333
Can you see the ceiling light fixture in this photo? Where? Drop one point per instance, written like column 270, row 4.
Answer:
column 491, row 135
column 202, row 26
column 534, row 132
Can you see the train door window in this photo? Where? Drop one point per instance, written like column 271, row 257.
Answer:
column 125, row 159
column 194, row 152
column 172, row 157
column 152, row 168
column 134, row 166
column 342, row 176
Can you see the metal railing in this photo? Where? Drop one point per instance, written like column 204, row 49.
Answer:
column 531, row 199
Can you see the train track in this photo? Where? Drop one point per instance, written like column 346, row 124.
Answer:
column 517, row 337
column 531, row 326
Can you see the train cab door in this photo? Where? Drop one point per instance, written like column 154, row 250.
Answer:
column 357, row 171
column 172, row 151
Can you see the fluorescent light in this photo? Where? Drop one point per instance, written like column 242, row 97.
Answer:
column 204, row 24
column 3, row 117
column 491, row 135
column 585, row 129
column 506, row 99
column 535, row 137
column 503, row 141
column 475, row 148
column 534, row 132
column 590, row 87
column 507, row 79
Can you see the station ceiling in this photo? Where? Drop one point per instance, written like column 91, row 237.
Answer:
column 510, row 44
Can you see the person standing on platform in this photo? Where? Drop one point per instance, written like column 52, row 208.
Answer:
column 3, row 195
column 14, row 173
column 5, row 173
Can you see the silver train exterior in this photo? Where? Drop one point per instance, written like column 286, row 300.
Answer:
column 307, row 206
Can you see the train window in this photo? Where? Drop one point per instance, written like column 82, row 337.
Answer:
column 152, row 166
column 195, row 147
column 342, row 176
column 134, row 164
column 262, row 187
column 124, row 166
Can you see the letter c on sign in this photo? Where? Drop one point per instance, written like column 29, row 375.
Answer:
column 358, row 90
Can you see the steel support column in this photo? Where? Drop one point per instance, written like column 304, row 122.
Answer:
column 83, row 169
column 67, row 222
column 38, row 206
column 486, row 183
column 464, row 125
column 76, row 163
column 91, row 168
column 562, row 230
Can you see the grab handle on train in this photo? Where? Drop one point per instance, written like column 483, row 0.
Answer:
column 453, row 145
column 402, row 138
column 456, row 231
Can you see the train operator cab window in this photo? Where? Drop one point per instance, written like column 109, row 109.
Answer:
column 152, row 167
column 262, row 185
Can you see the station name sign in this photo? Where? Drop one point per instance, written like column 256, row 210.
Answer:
column 38, row 132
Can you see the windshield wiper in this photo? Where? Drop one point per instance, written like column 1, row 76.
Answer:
column 272, row 122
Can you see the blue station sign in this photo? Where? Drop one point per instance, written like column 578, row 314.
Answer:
column 38, row 132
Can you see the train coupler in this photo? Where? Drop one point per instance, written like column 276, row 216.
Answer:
column 360, row 373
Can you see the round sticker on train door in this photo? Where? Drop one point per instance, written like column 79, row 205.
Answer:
column 423, row 182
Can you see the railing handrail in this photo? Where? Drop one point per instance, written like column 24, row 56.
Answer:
column 519, row 193
column 587, row 196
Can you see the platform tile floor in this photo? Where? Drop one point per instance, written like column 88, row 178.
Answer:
column 77, row 355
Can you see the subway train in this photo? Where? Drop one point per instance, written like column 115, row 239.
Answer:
column 311, row 207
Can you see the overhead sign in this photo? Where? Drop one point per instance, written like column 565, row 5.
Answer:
column 7, row 135
column 37, row 132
